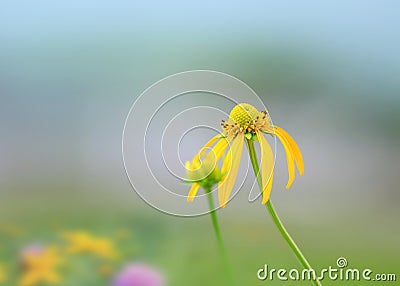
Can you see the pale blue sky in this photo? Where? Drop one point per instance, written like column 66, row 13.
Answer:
column 366, row 32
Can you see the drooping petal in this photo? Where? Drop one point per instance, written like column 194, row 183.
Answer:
column 267, row 189
column 207, row 145
column 226, row 166
column 289, row 157
column 267, row 166
column 295, row 149
column 193, row 191
column 231, row 167
column 220, row 148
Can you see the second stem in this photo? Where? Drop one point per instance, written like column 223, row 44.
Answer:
column 221, row 247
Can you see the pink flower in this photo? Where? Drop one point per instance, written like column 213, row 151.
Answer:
column 138, row 275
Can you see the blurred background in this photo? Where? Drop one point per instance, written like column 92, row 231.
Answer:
column 70, row 71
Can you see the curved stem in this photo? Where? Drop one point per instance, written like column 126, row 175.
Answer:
column 274, row 215
column 221, row 247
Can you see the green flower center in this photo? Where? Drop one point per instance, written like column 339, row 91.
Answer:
column 244, row 115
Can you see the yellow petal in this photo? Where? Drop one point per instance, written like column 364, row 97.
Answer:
column 267, row 189
column 227, row 162
column 289, row 157
column 207, row 145
column 226, row 166
column 295, row 149
column 267, row 166
column 220, row 148
column 231, row 166
column 193, row 191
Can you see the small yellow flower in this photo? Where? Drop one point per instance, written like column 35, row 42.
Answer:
column 40, row 267
column 3, row 275
column 202, row 171
column 247, row 123
column 83, row 242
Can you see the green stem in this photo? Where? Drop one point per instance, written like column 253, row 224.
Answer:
column 221, row 247
column 274, row 215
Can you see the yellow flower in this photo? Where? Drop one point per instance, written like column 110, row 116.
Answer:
column 3, row 275
column 247, row 123
column 40, row 267
column 83, row 242
column 202, row 171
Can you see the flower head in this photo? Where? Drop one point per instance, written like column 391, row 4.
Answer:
column 138, row 275
column 247, row 123
column 203, row 171
column 39, row 265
